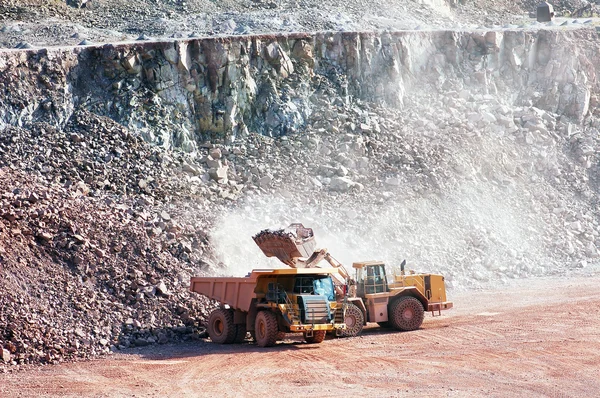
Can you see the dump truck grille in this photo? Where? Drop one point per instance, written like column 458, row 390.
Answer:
column 314, row 309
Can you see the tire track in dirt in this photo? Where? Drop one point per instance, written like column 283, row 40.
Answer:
column 535, row 350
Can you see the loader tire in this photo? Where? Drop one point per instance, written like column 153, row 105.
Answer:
column 354, row 321
column 266, row 329
column 317, row 337
column 221, row 328
column 240, row 333
column 406, row 313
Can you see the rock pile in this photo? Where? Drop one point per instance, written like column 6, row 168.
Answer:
column 79, row 275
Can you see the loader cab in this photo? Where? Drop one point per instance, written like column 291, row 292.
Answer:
column 370, row 278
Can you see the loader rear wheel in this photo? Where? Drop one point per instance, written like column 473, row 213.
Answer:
column 406, row 313
column 317, row 337
column 266, row 329
column 220, row 326
column 354, row 321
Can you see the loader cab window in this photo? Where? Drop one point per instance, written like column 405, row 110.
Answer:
column 371, row 279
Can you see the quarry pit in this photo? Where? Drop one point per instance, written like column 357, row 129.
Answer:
column 134, row 156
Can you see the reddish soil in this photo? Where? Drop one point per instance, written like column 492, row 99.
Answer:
column 535, row 338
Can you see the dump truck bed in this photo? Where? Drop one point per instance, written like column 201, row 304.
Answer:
column 239, row 292
column 235, row 292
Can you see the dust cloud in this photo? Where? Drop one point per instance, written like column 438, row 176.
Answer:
column 485, row 225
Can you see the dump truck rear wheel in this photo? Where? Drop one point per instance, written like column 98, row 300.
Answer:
column 317, row 337
column 221, row 328
column 266, row 329
column 406, row 313
column 354, row 321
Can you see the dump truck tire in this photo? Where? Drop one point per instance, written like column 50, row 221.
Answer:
column 406, row 313
column 266, row 329
column 354, row 321
column 317, row 337
column 221, row 328
column 240, row 333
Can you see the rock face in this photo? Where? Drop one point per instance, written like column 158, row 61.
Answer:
column 182, row 92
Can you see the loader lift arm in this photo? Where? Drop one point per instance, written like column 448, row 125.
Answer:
column 295, row 247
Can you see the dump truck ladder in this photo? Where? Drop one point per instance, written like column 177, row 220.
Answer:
column 279, row 295
column 290, row 311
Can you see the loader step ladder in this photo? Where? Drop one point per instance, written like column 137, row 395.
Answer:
column 436, row 307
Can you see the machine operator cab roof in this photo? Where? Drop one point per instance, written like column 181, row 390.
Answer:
column 363, row 264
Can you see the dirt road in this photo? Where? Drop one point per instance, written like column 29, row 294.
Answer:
column 537, row 338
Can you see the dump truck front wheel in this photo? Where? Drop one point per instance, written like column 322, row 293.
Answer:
column 354, row 321
column 317, row 337
column 406, row 313
column 221, row 328
column 265, row 329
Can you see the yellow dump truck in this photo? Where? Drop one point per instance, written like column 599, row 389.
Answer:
column 398, row 301
column 271, row 302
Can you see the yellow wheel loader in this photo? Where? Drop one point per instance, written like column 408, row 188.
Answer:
column 398, row 301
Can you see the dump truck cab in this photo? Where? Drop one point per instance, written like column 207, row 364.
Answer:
column 304, row 298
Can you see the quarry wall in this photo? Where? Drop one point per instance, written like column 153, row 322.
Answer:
column 181, row 92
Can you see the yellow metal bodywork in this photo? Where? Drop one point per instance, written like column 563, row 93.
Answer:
column 434, row 292
column 430, row 289
column 248, row 293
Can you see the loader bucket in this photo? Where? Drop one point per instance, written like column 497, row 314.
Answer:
column 287, row 244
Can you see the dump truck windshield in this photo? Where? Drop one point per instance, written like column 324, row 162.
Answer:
column 315, row 285
column 324, row 287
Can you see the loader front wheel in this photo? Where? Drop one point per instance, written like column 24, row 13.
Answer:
column 406, row 313
column 266, row 329
column 354, row 321
column 317, row 337
column 221, row 328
